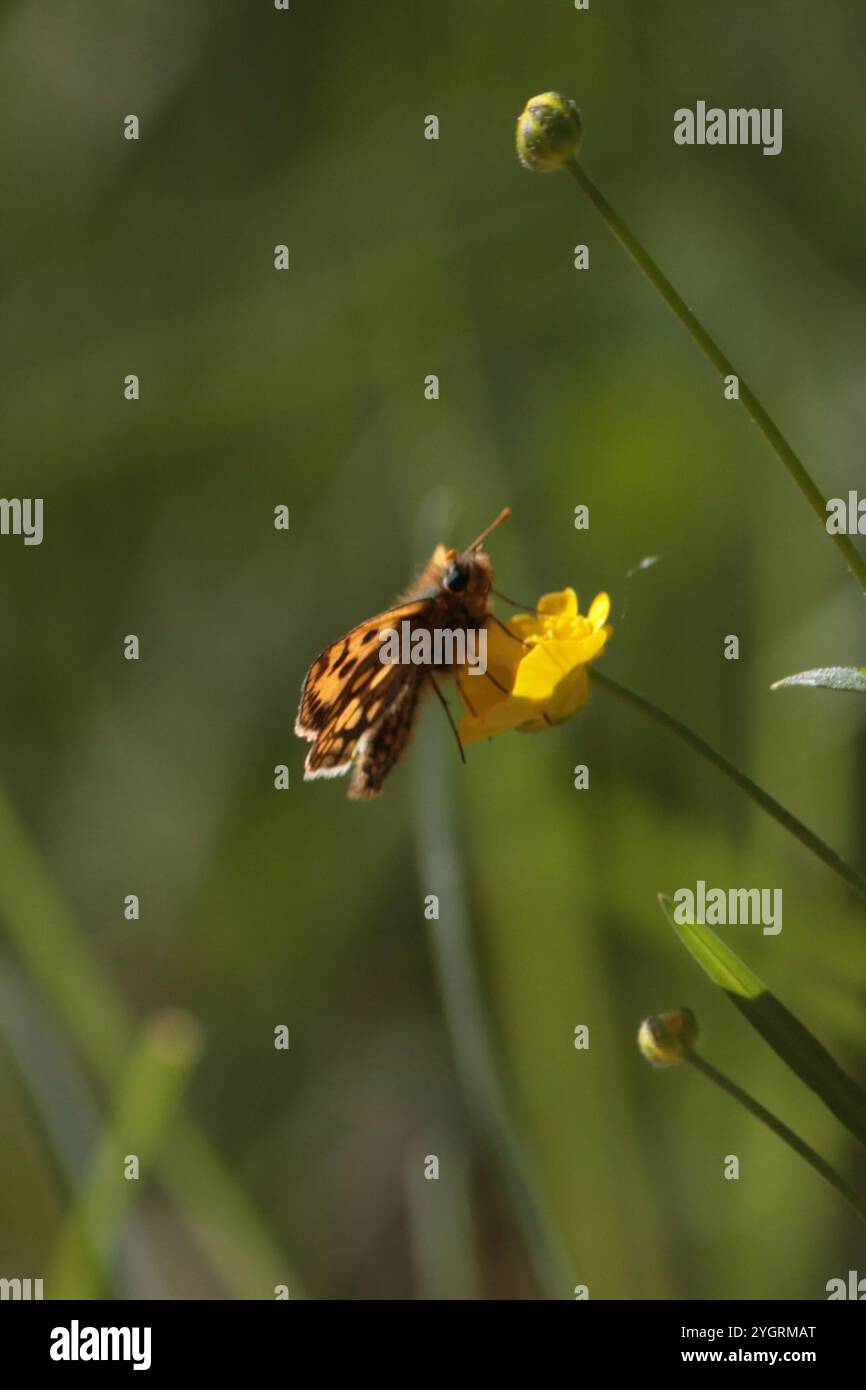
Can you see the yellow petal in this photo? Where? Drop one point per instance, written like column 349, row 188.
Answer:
column 570, row 695
column 542, row 669
column 526, row 625
column 561, row 604
column 506, row 715
column 599, row 610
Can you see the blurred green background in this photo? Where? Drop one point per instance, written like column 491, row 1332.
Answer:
column 260, row 907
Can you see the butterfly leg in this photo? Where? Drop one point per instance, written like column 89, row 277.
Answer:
column 444, row 703
column 507, row 630
column 465, row 698
column 498, row 684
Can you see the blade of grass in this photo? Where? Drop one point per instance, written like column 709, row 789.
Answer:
column 478, row 1064
column 225, row 1223
column 786, row 1035
column 65, row 1116
column 142, row 1112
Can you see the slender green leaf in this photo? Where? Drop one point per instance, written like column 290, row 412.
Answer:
column 828, row 678
column 786, row 1035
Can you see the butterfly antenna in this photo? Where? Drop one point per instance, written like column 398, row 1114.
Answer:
column 492, row 618
column 503, row 516
column 527, row 607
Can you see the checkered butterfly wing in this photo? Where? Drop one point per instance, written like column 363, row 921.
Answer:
column 357, row 709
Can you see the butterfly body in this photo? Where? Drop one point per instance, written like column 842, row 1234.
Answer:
column 358, row 711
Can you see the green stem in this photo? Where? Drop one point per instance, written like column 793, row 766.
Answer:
column 778, row 1127
column 771, row 432
column 768, row 803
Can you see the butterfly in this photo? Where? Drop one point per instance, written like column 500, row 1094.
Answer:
column 357, row 710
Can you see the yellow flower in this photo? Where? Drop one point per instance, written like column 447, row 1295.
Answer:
column 538, row 663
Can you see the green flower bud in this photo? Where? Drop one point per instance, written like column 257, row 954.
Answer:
column 549, row 132
column 664, row 1039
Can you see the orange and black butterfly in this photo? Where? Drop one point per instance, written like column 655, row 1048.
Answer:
column 358, row 711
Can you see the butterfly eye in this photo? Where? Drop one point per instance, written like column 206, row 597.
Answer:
column 456, row 578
